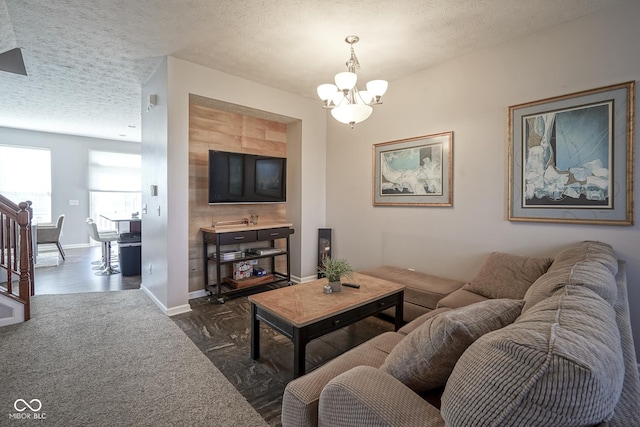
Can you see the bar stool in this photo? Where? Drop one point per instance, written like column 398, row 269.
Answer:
column 101, row 263
column 105, row 238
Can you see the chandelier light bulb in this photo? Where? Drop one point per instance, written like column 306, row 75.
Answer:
column 364, row 97
column 339, row 98
column 346, row 80
column 377, row 87
column 352, row 113
column 349, row 105
column 326, row 91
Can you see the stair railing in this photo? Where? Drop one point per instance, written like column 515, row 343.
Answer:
column 16, row 251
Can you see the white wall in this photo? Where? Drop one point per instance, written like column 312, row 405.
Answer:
column 471, row 96
column 169, row 285
column 69, row 174
column 155, row 241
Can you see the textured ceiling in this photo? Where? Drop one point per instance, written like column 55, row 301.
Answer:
column 87, row 60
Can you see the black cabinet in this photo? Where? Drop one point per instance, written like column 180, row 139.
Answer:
column 239, row 240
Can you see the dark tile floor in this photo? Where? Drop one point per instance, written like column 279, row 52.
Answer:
column 223, row 334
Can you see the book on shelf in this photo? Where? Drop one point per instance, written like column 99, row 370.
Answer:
column 264, row 251
column 229, row 255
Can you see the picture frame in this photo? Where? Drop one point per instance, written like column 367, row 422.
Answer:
column 414, row 171
column 571, row 158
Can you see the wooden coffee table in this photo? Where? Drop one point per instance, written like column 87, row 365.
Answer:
column 303, row 312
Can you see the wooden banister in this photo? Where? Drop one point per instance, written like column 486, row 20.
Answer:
column 16, row 251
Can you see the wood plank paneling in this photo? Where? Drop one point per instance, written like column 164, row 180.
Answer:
column 212, row 129
column 261, row 146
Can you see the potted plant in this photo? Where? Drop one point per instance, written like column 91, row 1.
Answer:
column 334, row 269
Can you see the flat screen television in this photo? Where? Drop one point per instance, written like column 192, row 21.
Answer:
column 246, row 178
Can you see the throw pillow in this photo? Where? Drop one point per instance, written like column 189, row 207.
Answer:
column 424, row 359
column 507, row 276
column 559, row 365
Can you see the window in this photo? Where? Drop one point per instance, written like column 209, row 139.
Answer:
column 114, row 186
column 25, row 174
column 113, row 202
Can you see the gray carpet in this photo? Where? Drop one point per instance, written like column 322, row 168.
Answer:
column 111, row 359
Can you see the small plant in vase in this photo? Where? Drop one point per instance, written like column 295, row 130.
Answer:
column 334, row 269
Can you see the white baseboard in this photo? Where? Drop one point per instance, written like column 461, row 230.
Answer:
column 304, row 279
column 198, row 294
column 185, row 308
column 76, row 245
column 51, row 247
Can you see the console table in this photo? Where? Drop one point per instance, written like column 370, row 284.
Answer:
column 244, row 235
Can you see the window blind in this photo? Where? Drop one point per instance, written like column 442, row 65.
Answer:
column 110, row 171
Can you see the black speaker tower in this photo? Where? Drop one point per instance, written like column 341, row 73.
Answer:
column 324, row 246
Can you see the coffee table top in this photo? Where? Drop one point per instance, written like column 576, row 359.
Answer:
column 305, row 303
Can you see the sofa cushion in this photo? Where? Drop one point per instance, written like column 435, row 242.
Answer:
column 588, row 250
column 592, row 275
column 426, row 357
column 418, row 321
column 301, row 396
column 410, row 311
column 507, row 276
column 559, row 364
column 365, row 396
column 460, row 298
column 420, row 288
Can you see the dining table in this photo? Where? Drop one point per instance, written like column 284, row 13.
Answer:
column 124, row 223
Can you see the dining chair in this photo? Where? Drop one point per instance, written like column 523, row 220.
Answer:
column 50, row 234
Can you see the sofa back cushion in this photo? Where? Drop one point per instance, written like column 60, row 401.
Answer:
column 588, row 250
column 589, row 264
column 559, row 364
column 424, row 359
column 507, row 276
column 591, row 275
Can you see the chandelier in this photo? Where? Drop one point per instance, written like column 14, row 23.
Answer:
column 348, row 104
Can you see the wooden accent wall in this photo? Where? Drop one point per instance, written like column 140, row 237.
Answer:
column 212, row 129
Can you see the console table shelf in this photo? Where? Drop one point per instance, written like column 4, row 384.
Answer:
column 221, row 237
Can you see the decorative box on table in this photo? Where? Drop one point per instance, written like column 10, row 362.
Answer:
column 242, row 270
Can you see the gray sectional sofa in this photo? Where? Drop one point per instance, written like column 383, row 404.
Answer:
column 528, row 342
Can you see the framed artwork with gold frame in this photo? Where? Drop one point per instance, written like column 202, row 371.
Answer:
column 571, row 158
column 414, row 172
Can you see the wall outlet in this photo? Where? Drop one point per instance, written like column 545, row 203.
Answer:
column 74, row 202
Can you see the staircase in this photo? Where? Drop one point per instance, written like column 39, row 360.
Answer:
column 16, row 261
